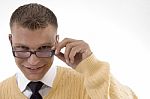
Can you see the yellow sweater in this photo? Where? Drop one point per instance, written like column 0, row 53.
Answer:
column 90, row 80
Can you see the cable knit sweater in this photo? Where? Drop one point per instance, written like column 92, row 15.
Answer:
column 90, row 80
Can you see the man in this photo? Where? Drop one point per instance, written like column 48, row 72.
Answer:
column 34, row 42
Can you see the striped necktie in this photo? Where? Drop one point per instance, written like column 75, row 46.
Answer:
column 35, row 87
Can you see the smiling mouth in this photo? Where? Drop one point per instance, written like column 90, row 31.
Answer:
column 33, row 68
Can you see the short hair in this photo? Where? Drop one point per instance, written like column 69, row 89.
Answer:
column 33, row 16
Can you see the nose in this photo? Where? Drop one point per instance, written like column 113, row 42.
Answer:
column 33, row 60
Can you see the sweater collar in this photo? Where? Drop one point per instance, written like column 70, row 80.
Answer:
column 48, row 78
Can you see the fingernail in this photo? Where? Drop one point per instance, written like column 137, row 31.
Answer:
column 67, row 61
column 53, row 48
column 56, row 52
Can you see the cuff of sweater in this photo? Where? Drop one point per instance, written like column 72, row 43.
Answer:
column 89, row 65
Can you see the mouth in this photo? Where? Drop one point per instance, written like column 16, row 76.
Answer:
column 34, row 70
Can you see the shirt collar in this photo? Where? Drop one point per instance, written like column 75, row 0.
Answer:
column 48, row 78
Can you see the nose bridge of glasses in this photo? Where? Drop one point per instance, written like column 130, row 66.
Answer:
column 33, row 53
column 33, row 59
column 49, row 54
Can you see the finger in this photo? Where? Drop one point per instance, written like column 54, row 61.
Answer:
column 53, row 48
column 73, row 53
column 61, row 56
column 62, row 44
column 67, row 51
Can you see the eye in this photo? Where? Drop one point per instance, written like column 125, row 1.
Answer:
column 45, row 48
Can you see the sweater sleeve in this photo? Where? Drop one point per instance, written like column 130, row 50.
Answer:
column 99, row 83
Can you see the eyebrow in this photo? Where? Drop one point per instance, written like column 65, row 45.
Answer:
column 44, row 44
column 50, row 44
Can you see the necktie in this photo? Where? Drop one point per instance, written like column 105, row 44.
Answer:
column 35, row 87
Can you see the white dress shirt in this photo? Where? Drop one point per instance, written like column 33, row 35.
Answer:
column 48, row 79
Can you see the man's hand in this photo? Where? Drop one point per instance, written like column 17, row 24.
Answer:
column 75, row 51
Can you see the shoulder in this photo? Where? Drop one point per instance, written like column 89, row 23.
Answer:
column 7, row 82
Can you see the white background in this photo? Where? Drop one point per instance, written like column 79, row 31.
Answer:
column 118, row 32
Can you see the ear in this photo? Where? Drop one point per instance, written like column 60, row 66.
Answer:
column 10, row 38
column 57, row 38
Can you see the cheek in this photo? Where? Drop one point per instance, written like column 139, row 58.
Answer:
column 45, row 61
column 49, row 61
column 19, row 61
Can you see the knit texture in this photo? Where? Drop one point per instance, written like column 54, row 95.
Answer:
column 90, row 80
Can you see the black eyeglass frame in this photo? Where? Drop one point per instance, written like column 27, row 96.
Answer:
column 51, row 53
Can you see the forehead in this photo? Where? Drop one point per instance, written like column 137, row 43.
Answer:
column 33, row 38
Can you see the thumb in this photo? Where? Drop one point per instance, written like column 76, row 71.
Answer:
column 60, row 55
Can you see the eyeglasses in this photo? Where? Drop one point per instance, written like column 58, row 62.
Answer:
column 27, row 54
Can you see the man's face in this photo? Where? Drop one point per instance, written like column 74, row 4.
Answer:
column 23, row 39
